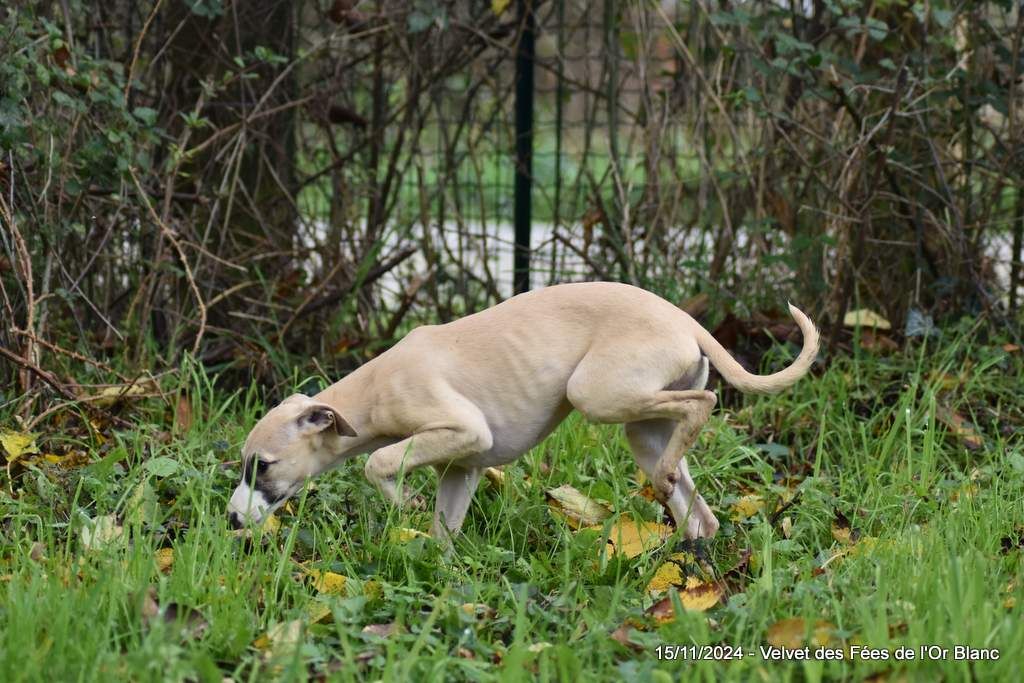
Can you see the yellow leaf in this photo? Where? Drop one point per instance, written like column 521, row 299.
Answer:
column 317, row 612
column 18, row 445
column 747, row 506
column 701, row 597
column 495, row 475
column 670, row 574
column 792, row 633
column 696, row 597
column 864, row 317
column 271, row 525
column 164, row 559
column 406, row 535
column 630, row 538
column 499, row 6
column 578, row 509
column 372, row 589
column 280, row 639
column 328, row 583
column 477, row 609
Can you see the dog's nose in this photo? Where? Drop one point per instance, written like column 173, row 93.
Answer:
column 234, row 520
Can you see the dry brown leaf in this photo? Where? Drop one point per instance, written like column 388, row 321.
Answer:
column 960, row 427
column 183, row 415
column 787, row 527
column 747, row 506
column 576, row 508
column 876, row 342
column 630, row 538
column 792, row 633
column 192, row 622
column 1011, row 348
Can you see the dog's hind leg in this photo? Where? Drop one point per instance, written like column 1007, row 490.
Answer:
column 649, row 439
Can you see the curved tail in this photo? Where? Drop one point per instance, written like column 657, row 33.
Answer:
column 746, row 382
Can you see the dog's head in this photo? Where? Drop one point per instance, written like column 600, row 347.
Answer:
column 298, row 439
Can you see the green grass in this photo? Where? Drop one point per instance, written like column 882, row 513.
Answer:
column 861, row 438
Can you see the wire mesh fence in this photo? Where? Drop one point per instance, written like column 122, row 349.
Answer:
column 247, row 181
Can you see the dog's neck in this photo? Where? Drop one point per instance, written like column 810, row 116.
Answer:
column 351, row 397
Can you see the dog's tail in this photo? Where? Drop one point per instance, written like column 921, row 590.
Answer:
column 746, row 382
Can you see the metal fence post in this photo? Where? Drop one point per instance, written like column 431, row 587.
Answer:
column 524, row 147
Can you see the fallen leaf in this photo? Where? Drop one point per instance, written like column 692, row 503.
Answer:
column 538, row 647
column 192, row 623
column 478, row 610
column 1011, row 348
column 630, row 538
column 183, row 414
column 670, row 574
column 495, row 475
column 280, row 639
column 747, row 506
column 842, row 531
column 317, row 611
column 108, row 396
column 876, row 342
column 380, row 630
column 328, row 583
column 865, row 317
column 578, row 509
column 101, row 532
column 960, row 427
column 696, row 597
column 17, row 445
column 403, row 535
column 164, row 559
column 621, row 635
column 792, row 633
column 787, row 527
column 37, row 553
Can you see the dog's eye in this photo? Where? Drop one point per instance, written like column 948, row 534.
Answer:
column 261, row 466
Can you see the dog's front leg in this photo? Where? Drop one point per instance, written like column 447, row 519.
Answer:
column 431, row 447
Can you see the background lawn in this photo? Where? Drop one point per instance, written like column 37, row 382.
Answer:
column 846, row 502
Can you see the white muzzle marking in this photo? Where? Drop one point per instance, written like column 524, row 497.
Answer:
column 250, row 505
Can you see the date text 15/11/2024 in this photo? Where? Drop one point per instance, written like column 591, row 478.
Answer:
column 850, row 652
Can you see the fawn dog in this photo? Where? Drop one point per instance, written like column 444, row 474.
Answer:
column 484, row 389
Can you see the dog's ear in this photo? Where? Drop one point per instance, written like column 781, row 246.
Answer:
column 320, row 416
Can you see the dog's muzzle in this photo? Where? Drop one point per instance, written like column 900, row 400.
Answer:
column 246, row 506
